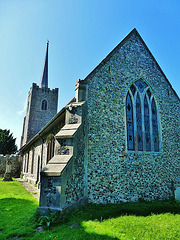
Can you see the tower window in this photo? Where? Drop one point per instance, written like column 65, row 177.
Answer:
column 44, row 105
column 141, row 119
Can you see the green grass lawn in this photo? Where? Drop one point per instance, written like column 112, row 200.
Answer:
column 142, row 220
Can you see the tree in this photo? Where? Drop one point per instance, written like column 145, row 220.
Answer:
column 7, row 142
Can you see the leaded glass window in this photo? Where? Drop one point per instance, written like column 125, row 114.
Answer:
column 139, row 123
column 141, row 119
column 155, row 126
column 129, row 115
column 147, row 125
column 133, row 89
column 140, row 85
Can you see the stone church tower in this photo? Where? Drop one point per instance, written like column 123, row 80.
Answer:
column 41, row 105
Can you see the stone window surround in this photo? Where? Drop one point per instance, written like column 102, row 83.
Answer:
column 44, row 104
column 133, row 99
column 50, row 149
column 32, row 160
column 24, row 163
column 27, row 162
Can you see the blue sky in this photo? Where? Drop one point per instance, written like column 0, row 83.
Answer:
column 81, row 33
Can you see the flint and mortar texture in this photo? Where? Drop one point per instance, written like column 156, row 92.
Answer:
column 36, row 118
column 75, row 173
column 114, row 173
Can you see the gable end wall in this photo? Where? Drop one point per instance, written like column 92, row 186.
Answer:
column 114, row 174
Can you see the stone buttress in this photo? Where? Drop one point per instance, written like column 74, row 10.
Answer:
column 63, row 178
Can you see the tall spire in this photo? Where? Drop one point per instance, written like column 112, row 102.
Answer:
column 44, row 77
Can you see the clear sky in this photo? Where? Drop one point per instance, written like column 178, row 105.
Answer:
column 81, row 33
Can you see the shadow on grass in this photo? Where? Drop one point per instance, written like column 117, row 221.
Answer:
column 98, row 213
column 17, row 217
column 90, row 217
column 101, row 211
column 17, row 206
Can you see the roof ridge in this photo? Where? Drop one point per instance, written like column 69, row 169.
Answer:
column 122, row 42
column 133, row 32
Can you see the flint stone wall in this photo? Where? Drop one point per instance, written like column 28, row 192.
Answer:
column 74, row 178
column 74, row 187
column 15, row 167
column 36, row 118
column 114, row 173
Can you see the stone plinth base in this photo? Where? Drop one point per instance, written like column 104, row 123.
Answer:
column 66, row 209
column 45, row 210
column 7, row 177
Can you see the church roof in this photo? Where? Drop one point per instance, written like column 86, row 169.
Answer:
column 104, row 61
column 133, row 32
column 44, row 77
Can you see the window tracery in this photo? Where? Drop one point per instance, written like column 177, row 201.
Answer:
column 139, row 123
column 129, row 115
column 147, row 125
column 141, row 119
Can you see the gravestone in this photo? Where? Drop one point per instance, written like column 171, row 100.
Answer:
column 177, row 194
column 8, row 175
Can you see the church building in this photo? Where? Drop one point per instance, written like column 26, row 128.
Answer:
column 117, row 140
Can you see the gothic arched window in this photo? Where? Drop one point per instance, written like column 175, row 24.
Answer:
column 44, row 105
column 141, row 119
column 50, row 146
column 130, row 128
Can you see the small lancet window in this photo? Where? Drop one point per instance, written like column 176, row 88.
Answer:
column 44, row 105
column 141, row 119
